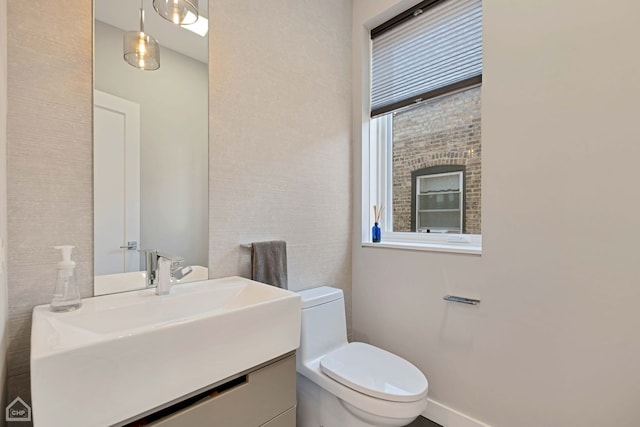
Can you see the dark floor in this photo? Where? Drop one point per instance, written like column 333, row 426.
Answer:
column 423, row 422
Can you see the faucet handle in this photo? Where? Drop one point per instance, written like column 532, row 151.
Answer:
column 169, row 257
column 180, row 272
column 176, row 261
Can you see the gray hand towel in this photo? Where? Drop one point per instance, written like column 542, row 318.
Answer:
column 269, row 263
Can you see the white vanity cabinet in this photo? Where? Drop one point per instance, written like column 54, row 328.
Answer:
column 265, row 397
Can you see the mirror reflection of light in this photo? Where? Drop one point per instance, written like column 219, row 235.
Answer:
column 200, row 27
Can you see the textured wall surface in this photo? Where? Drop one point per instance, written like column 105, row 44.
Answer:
column 49, row 154
column 443, row 131
column 280, row 85
column 3, row 201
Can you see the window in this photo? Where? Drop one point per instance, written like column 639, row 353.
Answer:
column 424, row 148
column 438, row 202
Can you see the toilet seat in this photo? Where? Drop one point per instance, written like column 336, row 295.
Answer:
column 375, row 372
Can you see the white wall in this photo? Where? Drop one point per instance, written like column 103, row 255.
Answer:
column 280, row 93
column 3, row 204
column 174, row 150
column 554, row 341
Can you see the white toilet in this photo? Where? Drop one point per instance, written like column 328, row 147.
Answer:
column 341, row 384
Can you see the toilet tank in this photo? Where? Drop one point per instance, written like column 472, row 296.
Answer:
column 324, row 324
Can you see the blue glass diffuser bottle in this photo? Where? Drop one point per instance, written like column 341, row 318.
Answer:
column 375, row 233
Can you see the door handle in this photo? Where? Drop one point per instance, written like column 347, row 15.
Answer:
column 131, row 246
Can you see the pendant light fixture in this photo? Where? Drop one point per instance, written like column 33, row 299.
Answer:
column 180, row 12
column 140, row 49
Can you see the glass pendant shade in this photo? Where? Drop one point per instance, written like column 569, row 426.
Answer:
column 141, row 50
column 180, row 12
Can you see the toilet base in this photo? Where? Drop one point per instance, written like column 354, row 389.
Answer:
column 319, row 408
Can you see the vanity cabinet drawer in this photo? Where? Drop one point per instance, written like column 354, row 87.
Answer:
column 288, row 419
column 268, row 394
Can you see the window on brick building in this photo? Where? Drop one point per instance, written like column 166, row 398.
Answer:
column 424, row 149
column 437, row 202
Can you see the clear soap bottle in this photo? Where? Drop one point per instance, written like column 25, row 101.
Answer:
column 66, row 296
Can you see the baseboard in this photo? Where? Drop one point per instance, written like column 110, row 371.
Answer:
column 449, row 417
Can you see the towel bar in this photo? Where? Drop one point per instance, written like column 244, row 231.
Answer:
column 246, row 246
column 463, row 300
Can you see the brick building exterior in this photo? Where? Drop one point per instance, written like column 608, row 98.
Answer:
column 443, row 131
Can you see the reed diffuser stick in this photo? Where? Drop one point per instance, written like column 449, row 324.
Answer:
column 377, row 213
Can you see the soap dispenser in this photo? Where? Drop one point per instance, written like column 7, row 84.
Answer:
column 66, row 296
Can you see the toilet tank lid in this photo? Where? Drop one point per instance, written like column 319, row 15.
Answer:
column 321, row 295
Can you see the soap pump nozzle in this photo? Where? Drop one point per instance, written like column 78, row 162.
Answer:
column 66, row 296
column 66, row 254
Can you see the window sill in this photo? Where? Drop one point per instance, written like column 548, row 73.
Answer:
column 429, row 247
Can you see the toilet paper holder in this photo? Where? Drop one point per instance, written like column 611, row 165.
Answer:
column 462, row 300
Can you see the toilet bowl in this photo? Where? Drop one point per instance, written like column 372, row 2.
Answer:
column 342, row 384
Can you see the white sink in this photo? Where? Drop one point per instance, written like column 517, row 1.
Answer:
column 121, row 355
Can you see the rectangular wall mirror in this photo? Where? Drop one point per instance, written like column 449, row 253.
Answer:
column 150, row 146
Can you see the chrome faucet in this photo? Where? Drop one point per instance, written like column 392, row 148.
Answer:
column 151, row 265
column 163, row 270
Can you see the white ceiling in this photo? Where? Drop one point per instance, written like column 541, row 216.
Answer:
column 123, row 14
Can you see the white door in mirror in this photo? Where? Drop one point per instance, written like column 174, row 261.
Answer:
column 116, row 161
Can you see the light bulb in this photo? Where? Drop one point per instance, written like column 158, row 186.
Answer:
column 142, row 45
column 177, row 14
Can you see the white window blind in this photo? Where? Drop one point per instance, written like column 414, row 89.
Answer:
column 437, row 49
